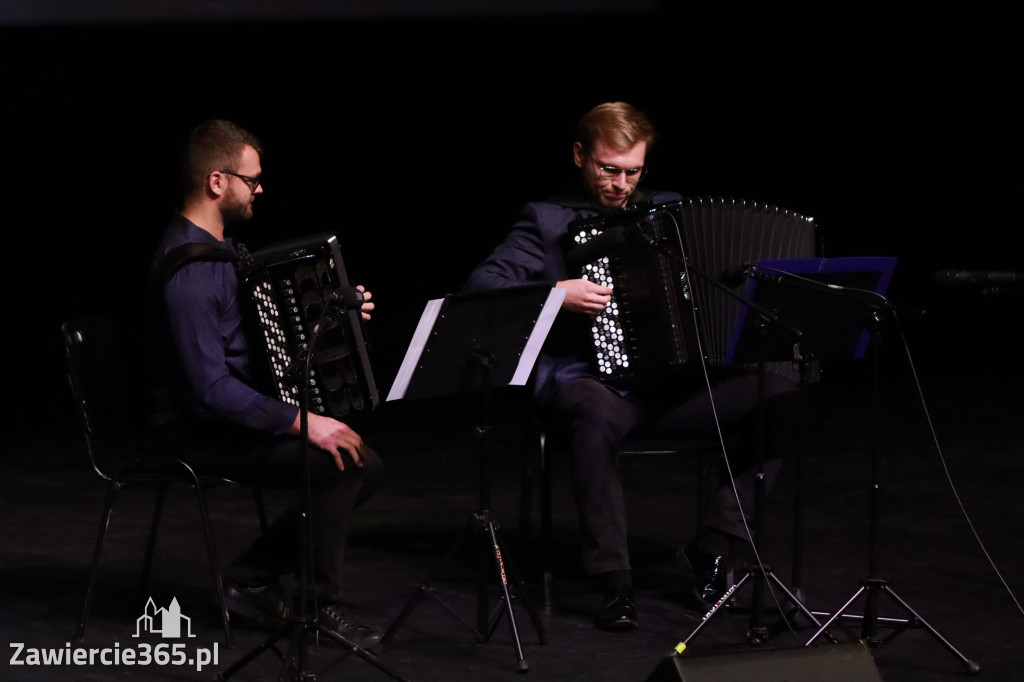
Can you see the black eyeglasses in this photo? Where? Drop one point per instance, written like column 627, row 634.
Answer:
column 247, row 179
column 609, row 172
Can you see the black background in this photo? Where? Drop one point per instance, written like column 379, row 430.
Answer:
column 415, row 135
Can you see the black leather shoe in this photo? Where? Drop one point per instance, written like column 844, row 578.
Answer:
column 337, row 624
column 264, row 604
column 709, row 572
column 618, row 614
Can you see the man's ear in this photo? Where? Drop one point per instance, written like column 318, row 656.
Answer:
column 578, row 154
column 216, row 184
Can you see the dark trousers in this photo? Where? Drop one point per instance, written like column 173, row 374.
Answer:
column 275, row 462
column 593, row 419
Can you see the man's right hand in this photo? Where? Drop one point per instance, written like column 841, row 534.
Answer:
column 333, row 436
column 584, row 296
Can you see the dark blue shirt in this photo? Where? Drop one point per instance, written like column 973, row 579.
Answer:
column 208, row 351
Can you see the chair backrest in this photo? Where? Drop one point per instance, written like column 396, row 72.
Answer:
column 96, row 372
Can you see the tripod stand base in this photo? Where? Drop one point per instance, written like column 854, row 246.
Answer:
column 294, row 661
column 758, row 634
column 482, row 526
column 871, row 588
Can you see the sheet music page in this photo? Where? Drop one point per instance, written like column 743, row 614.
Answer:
column 540, row 332
column 412, row 355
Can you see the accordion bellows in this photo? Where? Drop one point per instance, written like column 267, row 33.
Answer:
column 671, row 267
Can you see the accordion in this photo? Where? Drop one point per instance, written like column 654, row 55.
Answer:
column 292, row 290
column 674, row 269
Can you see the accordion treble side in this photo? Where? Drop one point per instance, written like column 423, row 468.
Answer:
column 291, row 289
column 671, row 268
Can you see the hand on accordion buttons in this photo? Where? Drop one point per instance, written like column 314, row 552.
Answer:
column 584, row 296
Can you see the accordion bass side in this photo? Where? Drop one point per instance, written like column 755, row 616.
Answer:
column 664, row 313
column 289, row 288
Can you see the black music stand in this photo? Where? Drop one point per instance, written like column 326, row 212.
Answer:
column 826, row 299
column 850, row 298
column 473, row 343
column 831, row 301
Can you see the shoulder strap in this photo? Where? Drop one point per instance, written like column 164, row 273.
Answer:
column 161, row 408
column 180, row 256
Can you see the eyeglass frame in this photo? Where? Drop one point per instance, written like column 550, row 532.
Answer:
column 609, row 172
column 253, row 183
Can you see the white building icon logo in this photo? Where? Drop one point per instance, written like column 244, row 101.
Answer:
column 165, row 622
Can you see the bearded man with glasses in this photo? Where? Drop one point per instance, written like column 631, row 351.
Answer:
column 592, row 417
column 209, row 409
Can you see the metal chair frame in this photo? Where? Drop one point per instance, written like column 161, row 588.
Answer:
column 118, row 452
column 537, row 472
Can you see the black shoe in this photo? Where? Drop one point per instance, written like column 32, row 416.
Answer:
column 709, row 572
column 337, row 624
column 618, row 614
column 264, row 604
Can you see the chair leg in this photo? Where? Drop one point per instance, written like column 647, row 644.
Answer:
column 261, row 509
column 90, row 591
column 154, row 527
column 705, row 488
column 529, row 475
column 218, row 582
column 150, row 551
column 545, row 520
column 536, row 469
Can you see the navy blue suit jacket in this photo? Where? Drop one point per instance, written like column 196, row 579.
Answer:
column 534, row 253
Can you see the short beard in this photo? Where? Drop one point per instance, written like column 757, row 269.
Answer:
column 236, row 212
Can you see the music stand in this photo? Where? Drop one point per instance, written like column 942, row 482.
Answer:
column 472, row 343
column 848, row 298
column 799, row 289
column 831, row 300
column 834, row 326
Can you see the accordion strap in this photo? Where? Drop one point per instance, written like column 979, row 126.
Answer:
column 180, row 256
column 163, row 412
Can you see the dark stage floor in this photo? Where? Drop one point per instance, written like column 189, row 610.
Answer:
column 50, row 505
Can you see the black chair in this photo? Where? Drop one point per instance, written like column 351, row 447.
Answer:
column 537, row 473
column 115, row 441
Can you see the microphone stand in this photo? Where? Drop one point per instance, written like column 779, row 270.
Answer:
column 767, row 319
column 295, row 660
column 759, row 572
column 874, row 585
